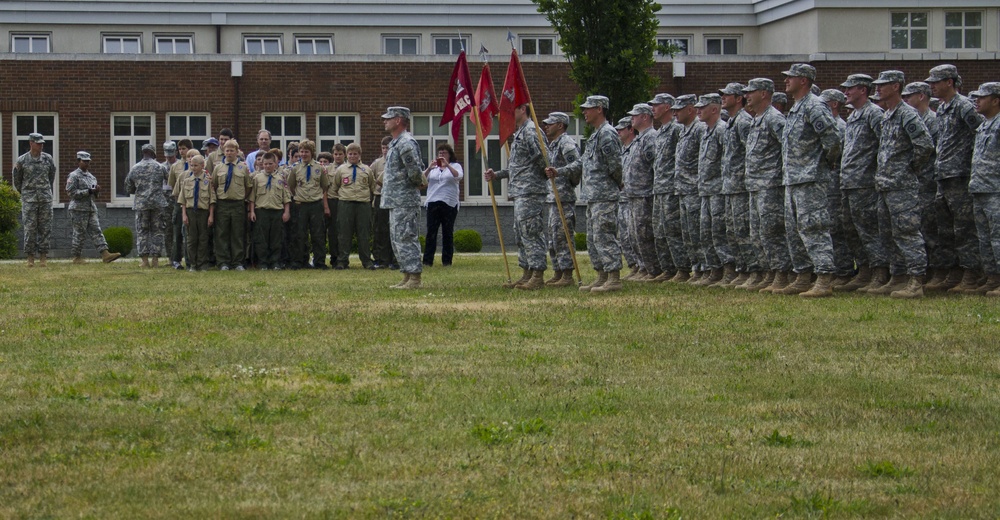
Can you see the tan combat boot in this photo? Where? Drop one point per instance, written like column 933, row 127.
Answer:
column 895, row 283
column 602, row 277
column 632, row 274
column 31, row 260
column 41, row 259
column 145, row 261
column 802, row 283
column 740, row 279
column 613, row 283
column 728, row 275
column 682, row 276
column 821, row 288
column 938, row 278
column 537, row 281
column 695, row 277
column 154, row 262
column 525, row 275
column 660, row 278
column 406, row 278
column 778, row 283
column 992, row 284
column 79, row 260
column 557, row 275
column 912, row 289
column 860, row 280
column 413, row 282
column 566, row 280
column 952, row 279
column 641, row 276
column 108, row 257
column 880, row 276
column 764, row 280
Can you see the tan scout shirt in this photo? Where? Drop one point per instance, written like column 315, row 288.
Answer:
column 239, row 187
column 178, row 171
column 308, row 190
column 378, row 171
column 206, row 196
column 331, row 170
column 270, row 191
column 354, row 188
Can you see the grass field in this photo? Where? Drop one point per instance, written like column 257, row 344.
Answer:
column 131, row 393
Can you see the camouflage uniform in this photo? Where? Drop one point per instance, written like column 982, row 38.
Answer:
column 33, row 178
column 404, row 174
column 637, row 174
column 712, row 221
column 666, row 205
column 686, row 182
column 83, row 211
column 528, row 188
column 737, row 200
column 845, row 240
column 936, row 257
column 145, row 182
column 767, row 195
column 985, row 186
column 623, row 212
column 857, row 184
column 957, row 124
column 562, row 151
column 810, row 144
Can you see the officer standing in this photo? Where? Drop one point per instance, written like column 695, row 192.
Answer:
column 145, row 181
column 845, row 241
column 82, row 188
column 686, row 180
column 562, row 151
column 734, row 191
column 667, row 236
column 918, row 96
column 404, row 174
column 985, row 182
column 33, row 175
column 637, row 176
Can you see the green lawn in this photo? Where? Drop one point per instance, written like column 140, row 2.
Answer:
column 131, row 393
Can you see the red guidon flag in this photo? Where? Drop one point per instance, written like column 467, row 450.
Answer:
column 459, row 97
column 486, row 102
column 513, row 95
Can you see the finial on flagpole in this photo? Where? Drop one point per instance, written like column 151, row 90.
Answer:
column 461, row 42
column 483, row 52
column 511, row 38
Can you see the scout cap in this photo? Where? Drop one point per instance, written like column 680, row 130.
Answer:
column 708, row 99
column 595, row 101
column 687, row 100
column 759, row 84
column 392, row 112
column 857, row 79
column 832, row 94
column 170, row 149
column 779, row 97
column 36, row 137
column 641, row 108
column 917, row 87
column 624, row 123
column 986, row 89
column 211, row 141
column 801, row 70
column 943, row 72
column 82, row 156
column 662, row 99
column 557, row 117
column 890, row 76
column 733, row 89
column 148, row 147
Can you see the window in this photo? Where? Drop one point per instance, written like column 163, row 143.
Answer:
column 395, row 45
column 262, row 45
column 33, row 43
column 284, row 128
column 963, row 30
column 682, row 43
column 429, row 134
column 336, row 128
column 722, row 45
column 909, row 30
column 128, row 133
column 130, row 44
column 475, row 185
column 48, row 126
column 538, row 45
column 446, row 45
column 188, row 126
column 314, row 45
column 174, row 45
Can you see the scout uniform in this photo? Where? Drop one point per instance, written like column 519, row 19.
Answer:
column 178, row 171
column 354, row 186
column 232, row 185
column 382, row 246
column 198, row 200
column 309, row 183
column 269, row 200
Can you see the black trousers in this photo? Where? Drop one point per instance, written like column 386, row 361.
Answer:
column 440, row 215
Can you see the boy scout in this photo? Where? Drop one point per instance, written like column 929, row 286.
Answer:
column 354, row 186
column 82, row 187
column 309, row 183
column 338, row 157
column 197, row 202
column 269, row 210
column 231, row 182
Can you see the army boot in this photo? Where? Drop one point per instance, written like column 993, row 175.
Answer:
column 154, row 262
column 31, row 260
column 413, row 282
column 741, row 278
column 406, row 278
column 641, row 276
column 632, row 274
column 938, row 278
column 895, row 283
column 41, row 259
column 860, row 280
column 145, row 261
column 566, row 280
column 682, row 276
column 695, row 277
column 557, row 275
column 107, row 256
column 535, row 282
column 802, row 283
column 614, row 283
column 764, row 282
column 601, row 278
column 912, row 289
column 991, row 284
column 821, row 288
column 662, row 277
column 79, row 260
column 968, row 284
column 525, row 275
column 950, row 280
column 880, row 276
column 778, row 283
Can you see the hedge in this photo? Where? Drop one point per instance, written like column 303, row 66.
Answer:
column 119, row 239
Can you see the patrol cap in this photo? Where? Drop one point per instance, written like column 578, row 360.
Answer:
column 890, row 76
column 943, row 72
column 801, row 70
column 83, row 156
column 857, row 79
column 708, row 99
column 687, row 100
column 170, row 148
column 779, row 97
column 732, row 89
column 36, row 137
column 149, row 148
column 392, row 112
column 832, row 94
column 759, row 84
column 595, row 101
column 661, row 99
column 211, row 141
column 724, row 115
column 917, row 87
column 815, row 90
column 624, row 123
column 557, row 117
column 875, row 97
column 986, row 89
column 641, row 108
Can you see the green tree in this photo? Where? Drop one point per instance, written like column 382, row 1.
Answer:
column 610, row 46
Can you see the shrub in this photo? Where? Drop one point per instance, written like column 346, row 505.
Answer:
column 10, row 208
column 468, row 241
column 580, row 241
column 119, row 239
column 8, row 245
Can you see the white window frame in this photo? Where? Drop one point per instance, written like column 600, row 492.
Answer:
column 17, row 138
column 300, row 39
column 400, row 37
column 435, row 136
column 344, row 138
column 964, row 29
column 262, row 38
column 121, row 38
column 451, row 41
column 537, row 38
column 135, row 152
column 196, row 139
column 473, row 164
column 172, row 39
column 279, row 136
column 722, row 43
column 32, row 37
column 672, row 38
column 909, row 30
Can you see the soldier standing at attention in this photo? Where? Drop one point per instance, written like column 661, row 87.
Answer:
column 734, row 191
column 145, row 182
column 667, row 235
column 33, row 175
column 918, row 96
column 170, row 155
column 686, row 180
column 712, row 220
column 562, row 151
column 404, row 174
column 82, row 187
column 626, row 135
column 985, row 182
column 601, row 169
column 845, row 241
column 232, row 184
column 528, row 188
column 637, row 175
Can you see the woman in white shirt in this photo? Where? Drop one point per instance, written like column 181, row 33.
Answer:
column 443, row 178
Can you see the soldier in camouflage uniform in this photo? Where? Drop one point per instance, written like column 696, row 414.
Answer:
column 957, row 123
column 145, row 181
column 562, row 151
column 918, row 96
column 637, row 176
column 780, row 102
column 82, row 188
column 810, row 145
column 844, row 241
column 601, row 168
column 404, row 174
column 686, row 181
column 712, row 219
column 734, row 191
column 528, row 188
column 626, row 134
column 904, row 148
column 33, row 175
column 170, row 159
column 763, row 182
column 667, row 236
column 985, row 184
